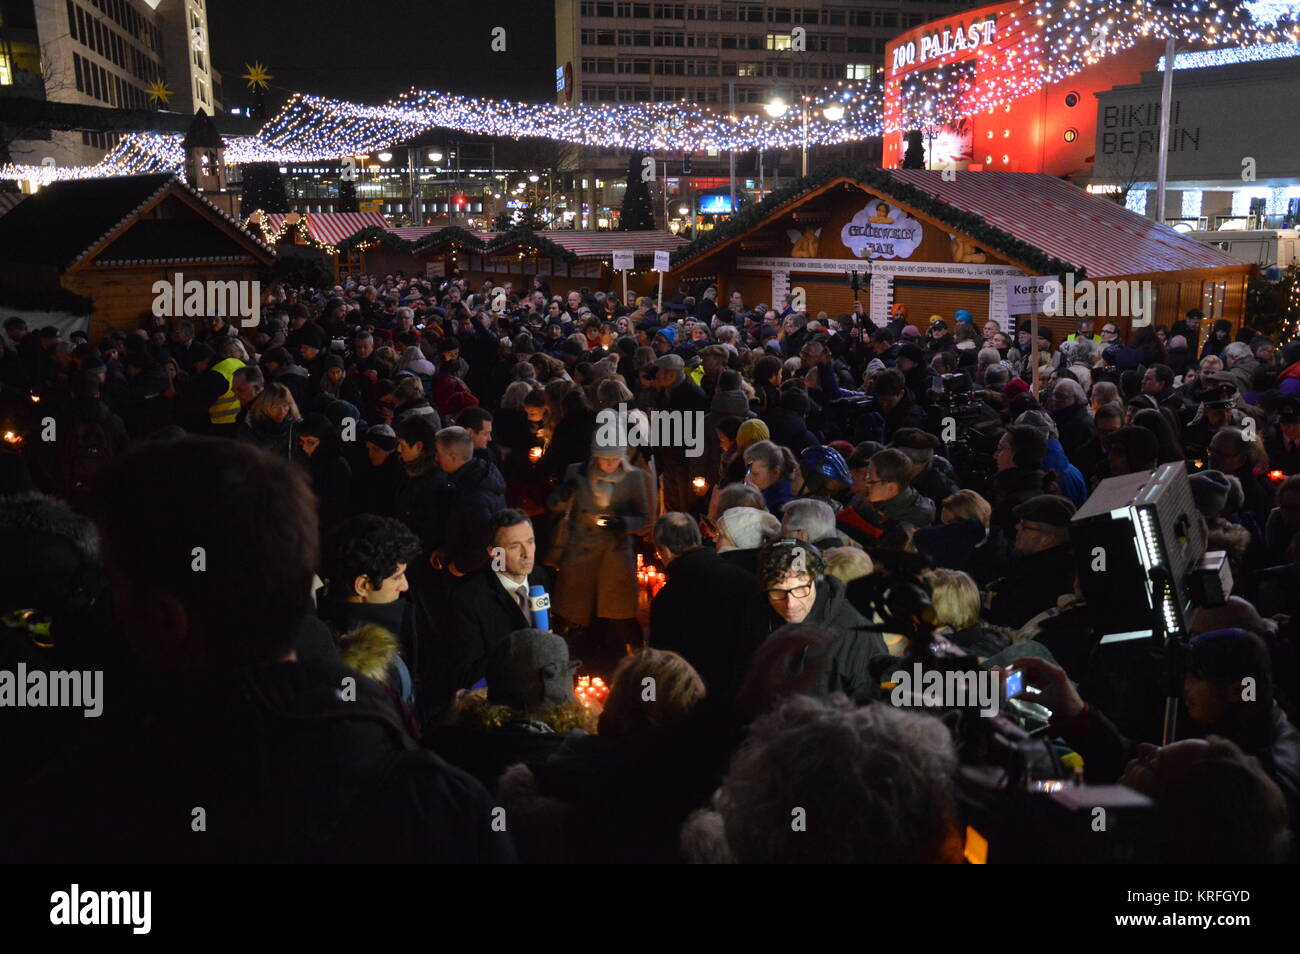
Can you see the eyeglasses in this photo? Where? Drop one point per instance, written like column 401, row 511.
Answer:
column 798, row 592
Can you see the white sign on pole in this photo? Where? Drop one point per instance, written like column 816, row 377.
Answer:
column 882, row 293
column 998, row 305
column 780, row 287
column 1027, row 295
column 661, row 261
column 623, row 260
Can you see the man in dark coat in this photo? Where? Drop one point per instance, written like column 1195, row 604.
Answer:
column 477, row 492
column 897, row 405
column 794, row 589
column 490, row 605
column 240, row 753
column 1042, row 568
column 678, row 393
column 786, row 423
column 695, row 614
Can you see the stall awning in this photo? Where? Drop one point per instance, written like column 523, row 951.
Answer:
column 1073, row 225
column 330, row 228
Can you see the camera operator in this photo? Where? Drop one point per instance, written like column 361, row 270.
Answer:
column 1217, row 665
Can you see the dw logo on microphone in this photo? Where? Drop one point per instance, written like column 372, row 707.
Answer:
column 542, row 602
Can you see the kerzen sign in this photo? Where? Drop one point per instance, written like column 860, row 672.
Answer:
column 959, row 38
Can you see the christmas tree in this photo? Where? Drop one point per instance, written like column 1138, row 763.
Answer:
column 914, row 158
column 348, row 196
column 263, row 184
column 638, row 214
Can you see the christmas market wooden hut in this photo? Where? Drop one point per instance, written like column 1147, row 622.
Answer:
column 112, row 240
column 941, row 241
column 314, row 234
column 566, row 259
column 427, row 250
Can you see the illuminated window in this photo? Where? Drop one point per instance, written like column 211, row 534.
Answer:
column 858, row 71
column 6, row 74
column 778, row 41
column 1071, row 135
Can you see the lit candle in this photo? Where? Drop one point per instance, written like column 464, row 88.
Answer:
column 535, row 454
column 700, row 485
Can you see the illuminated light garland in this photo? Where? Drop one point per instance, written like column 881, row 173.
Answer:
column 1042, row 45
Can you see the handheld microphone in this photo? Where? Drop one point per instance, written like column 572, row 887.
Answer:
column 539, row 601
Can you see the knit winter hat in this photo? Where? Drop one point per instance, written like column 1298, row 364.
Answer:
column 751, row 432
column 530, row 670
column 382, row 436
column 1210, row 492
column 748, row 527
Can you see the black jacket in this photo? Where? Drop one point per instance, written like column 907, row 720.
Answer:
column 483, row 614
column 1075, row 429
column 420, row 504
column 1032, row 584
column 847, row 669
column 695, row 615
column 283, row 768
column 477, row 492
column 790, row 430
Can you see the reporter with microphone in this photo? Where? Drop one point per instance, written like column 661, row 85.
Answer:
column 511, row 592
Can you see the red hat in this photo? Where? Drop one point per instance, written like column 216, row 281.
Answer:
column 1015, row 387
column 844, row 447
column 459, row 402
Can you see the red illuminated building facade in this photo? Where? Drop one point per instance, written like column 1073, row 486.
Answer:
column 961, row 73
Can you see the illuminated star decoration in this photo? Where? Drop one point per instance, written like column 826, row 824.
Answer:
column 256, row 76
column 159, row 92
column 1040, row 44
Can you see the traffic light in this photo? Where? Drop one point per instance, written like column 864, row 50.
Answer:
column 686, row 164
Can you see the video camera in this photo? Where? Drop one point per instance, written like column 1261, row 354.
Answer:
column 1019, row 801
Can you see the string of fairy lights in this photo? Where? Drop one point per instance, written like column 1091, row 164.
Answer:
column 1039, row 45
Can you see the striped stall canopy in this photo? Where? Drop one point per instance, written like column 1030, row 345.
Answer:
column 413, row 232
column 331, row 227
column 602, row 244
column 1063, row 220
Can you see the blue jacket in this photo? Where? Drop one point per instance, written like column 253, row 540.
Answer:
column 1071, row 478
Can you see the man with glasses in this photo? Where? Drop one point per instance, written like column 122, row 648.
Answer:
column 796, row 592
column 1042, row 567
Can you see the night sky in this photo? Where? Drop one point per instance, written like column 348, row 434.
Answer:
column 371, row 51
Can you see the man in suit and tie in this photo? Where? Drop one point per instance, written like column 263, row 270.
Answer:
column 491, row 604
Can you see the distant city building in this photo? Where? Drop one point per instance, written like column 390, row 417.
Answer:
column 103, row 53
column 616, row 52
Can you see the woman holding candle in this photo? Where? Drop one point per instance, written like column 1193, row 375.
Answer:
column 602, row 504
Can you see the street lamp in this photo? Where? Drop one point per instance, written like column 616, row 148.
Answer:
column 385, row 156
column 683, row 209
column 534, row 177
column 776, row 108
column 833, row 111
column 435, row 156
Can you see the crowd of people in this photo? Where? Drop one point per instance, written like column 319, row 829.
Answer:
column 344, row 569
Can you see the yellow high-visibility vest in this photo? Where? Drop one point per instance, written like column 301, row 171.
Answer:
column 225, row 409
